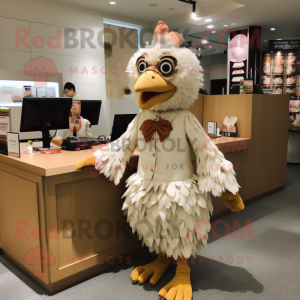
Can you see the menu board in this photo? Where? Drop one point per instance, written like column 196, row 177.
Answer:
column 282, row 45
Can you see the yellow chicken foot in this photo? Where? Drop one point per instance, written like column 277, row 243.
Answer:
column 156, row 268
column 179, row 288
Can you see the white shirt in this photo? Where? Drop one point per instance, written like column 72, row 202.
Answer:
column 77, row 97
column 169, row 160
column 128, row 97
column 85, row 131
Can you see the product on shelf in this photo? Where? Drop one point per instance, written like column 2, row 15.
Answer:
column 294, row 104
column 238, row 72
column 291, row 69
column 266, row 79
column 238, row 65
column 291, row 58
column 237, row 79
column 291, row 80
column 278, row 70
column 279, row 59
column 267, row 63
column 278, row 89
column 291, row 90
column 278, row 80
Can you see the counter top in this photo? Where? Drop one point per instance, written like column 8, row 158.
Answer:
column 65, row 162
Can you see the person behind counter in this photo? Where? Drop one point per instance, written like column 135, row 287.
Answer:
column 78, row 125
column 70, row 91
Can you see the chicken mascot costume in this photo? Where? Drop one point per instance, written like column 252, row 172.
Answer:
column 165, row 195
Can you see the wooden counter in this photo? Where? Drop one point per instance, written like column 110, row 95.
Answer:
column 263, row 119
column 78, row 218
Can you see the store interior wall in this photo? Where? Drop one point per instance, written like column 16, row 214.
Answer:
column 43, row 19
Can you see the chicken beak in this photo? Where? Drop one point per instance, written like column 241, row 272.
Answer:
column 153, row 89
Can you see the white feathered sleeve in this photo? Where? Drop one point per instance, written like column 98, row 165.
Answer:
column 297, row 121
column 112, row 162
column 215, row 172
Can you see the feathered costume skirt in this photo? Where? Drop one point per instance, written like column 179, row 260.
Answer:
column 171, row 218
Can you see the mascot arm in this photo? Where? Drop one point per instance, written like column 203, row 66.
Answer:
column 57, row 142
column 112, row 161
column 215, row 173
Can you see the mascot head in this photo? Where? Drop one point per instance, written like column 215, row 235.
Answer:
column 164, row 76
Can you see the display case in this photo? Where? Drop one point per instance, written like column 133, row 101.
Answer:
column 281, row 72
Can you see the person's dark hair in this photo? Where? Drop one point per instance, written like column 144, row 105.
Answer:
column 127, row 91
column 69, row 86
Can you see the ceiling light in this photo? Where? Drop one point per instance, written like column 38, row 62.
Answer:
column 233, row 24
column 225, row 25
column 193, row 15
column 272, row 28
column 214, row 31
column 210, row 26
column 207, row 20
column 112, row 2
column 279, row 39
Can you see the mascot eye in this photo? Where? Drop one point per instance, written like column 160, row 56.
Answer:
column 142, row 66
column 166, row 67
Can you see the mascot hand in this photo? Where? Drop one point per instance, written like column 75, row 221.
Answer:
column 233, row 202
column 88, row 162
column 57, row 142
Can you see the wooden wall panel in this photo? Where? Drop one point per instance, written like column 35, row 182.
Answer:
column 216, row 108
column 197, row 108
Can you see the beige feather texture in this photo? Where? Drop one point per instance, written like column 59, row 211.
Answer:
column 297, row 121
column 170, row 217
column 215, row 173
column 112, row 163
column 188, row 77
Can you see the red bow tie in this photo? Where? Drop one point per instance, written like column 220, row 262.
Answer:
column 163, row 128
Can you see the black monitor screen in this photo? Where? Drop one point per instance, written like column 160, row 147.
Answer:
column 44, row 114
column 90, row 110
column 120, row 125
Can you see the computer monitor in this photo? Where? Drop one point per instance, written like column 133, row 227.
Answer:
column 44, row 114
column 120, row 125
column 90, row 110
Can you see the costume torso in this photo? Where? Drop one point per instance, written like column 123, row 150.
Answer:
column 166, row 161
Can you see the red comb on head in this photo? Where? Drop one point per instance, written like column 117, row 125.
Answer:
column 162, row 28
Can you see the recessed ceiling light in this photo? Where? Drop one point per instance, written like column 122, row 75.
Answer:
column 153, row 5
column 207, row 20
column 279, row 39
column 225, row 25
column 272, row 28
column 233, row 24
column 210, row 26
column 112, row 2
